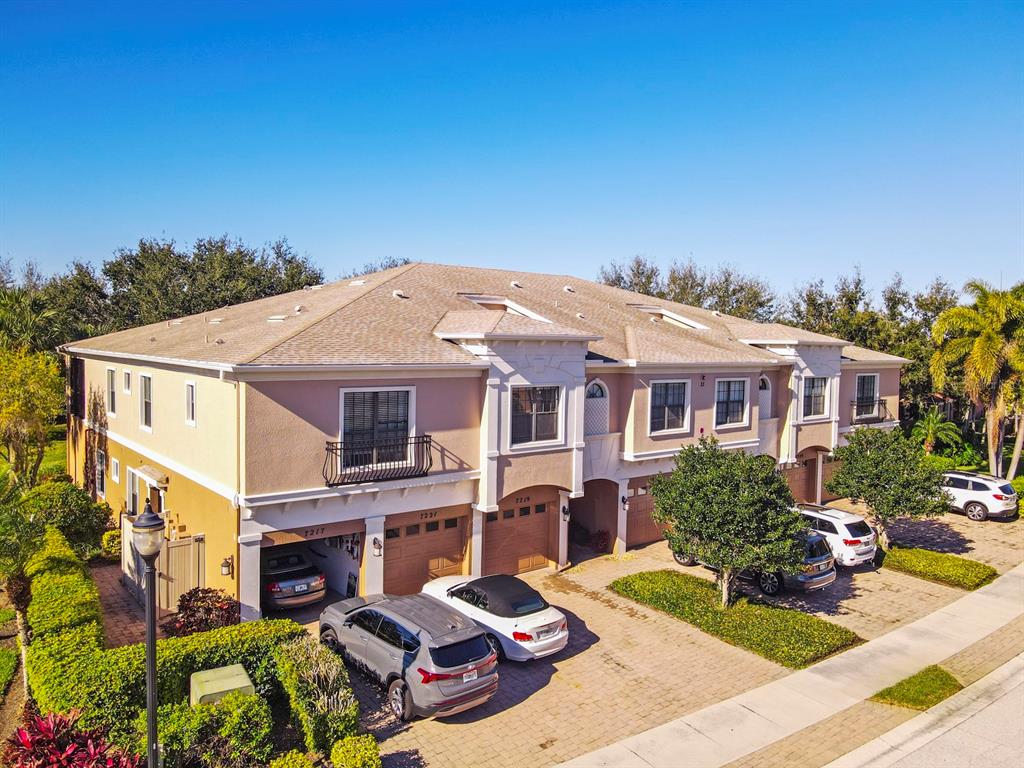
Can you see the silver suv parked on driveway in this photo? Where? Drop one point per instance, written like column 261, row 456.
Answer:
column 433, row 661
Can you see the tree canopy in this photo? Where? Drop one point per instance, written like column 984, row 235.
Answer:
column 31, row 399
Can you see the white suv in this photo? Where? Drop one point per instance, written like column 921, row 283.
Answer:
column 980, row 496
column 852, row 540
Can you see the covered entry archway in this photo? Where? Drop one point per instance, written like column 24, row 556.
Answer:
column 523, row 534
column 593, row 518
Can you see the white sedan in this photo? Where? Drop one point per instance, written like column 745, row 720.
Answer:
column 520, row 624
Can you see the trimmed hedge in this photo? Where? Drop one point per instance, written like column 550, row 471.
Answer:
column 293, row 759
column 1018, row 485
column 356, row 752
column 316, row 682
column 945, row 463
column 940, row 567
column 921, row 691
column 783, row 635
column 63, row 594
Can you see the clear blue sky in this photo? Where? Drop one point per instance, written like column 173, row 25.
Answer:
column 791, row 140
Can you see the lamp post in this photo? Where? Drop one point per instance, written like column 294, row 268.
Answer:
column 148, row 538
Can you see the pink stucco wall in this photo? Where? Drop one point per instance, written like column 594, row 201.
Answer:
column 888, row 390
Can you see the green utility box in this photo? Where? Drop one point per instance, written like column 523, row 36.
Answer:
column 212, row 685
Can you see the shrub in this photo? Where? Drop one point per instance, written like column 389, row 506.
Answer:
column 943, row 463
column 71, row 510
column 55, row 555
column 921, row 691
column 184, row 732
column 200, row 610
column 245, row 725
column 356, row 752
column 316, row 682
column 7, row 615
column 8, row 665
column 55, row 740
column 1018, row 485
column 111, row 544
column 939, row 567
column 784, row 635
column 63, row 595
column 293, row 759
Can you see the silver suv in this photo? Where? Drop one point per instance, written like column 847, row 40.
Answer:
column 433, row 661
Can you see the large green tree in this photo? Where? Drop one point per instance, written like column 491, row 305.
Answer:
column 31, row 399
column 986, row 338
column 890, row 474
column 729, row 509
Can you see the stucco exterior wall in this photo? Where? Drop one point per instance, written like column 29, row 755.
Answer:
column 287, row 424
column 888, row 390
column 516, row 472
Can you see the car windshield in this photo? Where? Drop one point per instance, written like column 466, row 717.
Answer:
column 460, row 653
column 859, row 528
column 1007, row 489
column 817, row 548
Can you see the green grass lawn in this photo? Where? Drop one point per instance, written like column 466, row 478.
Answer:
column 54, row 457
column 8, row 665
column 6, row 615
column 940, row 567
column 921, row 691
column 783, row 635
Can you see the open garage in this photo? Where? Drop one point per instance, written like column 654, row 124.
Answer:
column 419, row 546
column 519, row 536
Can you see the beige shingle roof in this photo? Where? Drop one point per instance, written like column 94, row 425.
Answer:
column 390, row 318
column 863, row 354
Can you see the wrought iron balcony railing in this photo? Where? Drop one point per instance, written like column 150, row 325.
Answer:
column 363, row 462
column 869, row 411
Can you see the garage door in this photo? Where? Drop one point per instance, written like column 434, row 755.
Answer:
column 516, row 538
column 422, row 548
column 801, row 480
column 640, row 526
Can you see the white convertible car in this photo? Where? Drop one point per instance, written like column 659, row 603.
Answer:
column 520, row 624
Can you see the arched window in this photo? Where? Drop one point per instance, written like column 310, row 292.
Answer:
column 595, row 414
column 764, row 398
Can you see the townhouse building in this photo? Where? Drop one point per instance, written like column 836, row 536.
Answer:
column 430, row 420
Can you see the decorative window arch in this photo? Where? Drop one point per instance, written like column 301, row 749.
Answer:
column 764, row 398
column 596, row 408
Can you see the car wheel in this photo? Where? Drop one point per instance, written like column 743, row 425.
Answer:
column 330, row 638
column 495, row 644
column 399, row 700
column 770, row 583
column 976, row 511
column 684, row 559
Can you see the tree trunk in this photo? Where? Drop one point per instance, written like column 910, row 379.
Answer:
column 883, row 535
column 990, row 439
column 929, row 446
column 1018, row 443
column 726, row 577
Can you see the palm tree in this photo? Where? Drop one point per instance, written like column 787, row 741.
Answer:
column 933, row 428
column 988, row 338
column 25, row 323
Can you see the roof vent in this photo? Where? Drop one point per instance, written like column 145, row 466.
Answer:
column 400, row 294
column 358, row 282
column 218, row 340
column 275, row 319
column 215, row 320
column 716, row 313
column 299, row 308
column 568, row 289
column 152, row 338
column 516, row 284
column 315, row 287
column 581, row 316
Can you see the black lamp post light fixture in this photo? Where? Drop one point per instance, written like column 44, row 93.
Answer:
column 148, row 540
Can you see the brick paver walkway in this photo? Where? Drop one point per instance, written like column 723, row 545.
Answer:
column 124, row 620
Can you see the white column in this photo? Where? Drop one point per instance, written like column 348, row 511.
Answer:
column 563, row 530
column 818, row 470
column 373, row 573
column 249, row 574
column 476, row 544
column 621, row 520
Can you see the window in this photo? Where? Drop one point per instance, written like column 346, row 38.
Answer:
column 101, row 473
column 825, row 526
column 508, row 514
column 814, row 396
column 190, row 403
column 539, row 509
column 392, row 533
column 596, row 410
column 146, row 401
column 976, row 486
column 367, row 620
column 432, row 526
column 115, row 470
column 491, row 517
column 77, row 374
column 375, row 427
column 956, row 482
column 534, row 414
column 453, row 522
column 595, row 391
column 867, row 394
column 389, row 632
column 412, row 530
column 111, row 392
column 134, row 497
column 730, row 401
column 668, row 406
column 524, row 511
column 127, row 383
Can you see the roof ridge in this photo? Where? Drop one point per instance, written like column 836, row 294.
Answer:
column 323, row 316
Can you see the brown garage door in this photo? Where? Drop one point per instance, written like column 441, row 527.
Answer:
column 421, row 547
column 640, row 526
column 801, row 480
column 516, row 538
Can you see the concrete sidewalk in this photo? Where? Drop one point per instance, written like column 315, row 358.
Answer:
column 981, row 725
column 726, row 731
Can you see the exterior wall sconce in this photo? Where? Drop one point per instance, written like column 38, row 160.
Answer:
column 378, row 547
column 227, row 566
column 565, row 514
column 625, row 503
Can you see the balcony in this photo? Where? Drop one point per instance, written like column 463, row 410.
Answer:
column 373, row 461
column 869, row 412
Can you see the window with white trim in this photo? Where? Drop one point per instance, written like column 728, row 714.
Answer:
column 534, row 414
column 190, row 403
column 115, row 470
column 669, row 406
column 730, row 402
column 101, row 473
column 815, row 402
column 375, row 426
column 867, row 394
column 146, row 401
column 126, row 383
column 111, row 392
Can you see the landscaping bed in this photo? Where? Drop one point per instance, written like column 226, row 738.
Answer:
column 920, row 691
column 939, row 567
column 783, row 635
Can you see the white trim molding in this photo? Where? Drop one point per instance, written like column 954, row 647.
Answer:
column 746, row 405
column 687, row 406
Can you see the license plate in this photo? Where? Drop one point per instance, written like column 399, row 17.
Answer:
column 467, row 676
column 301, row 588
